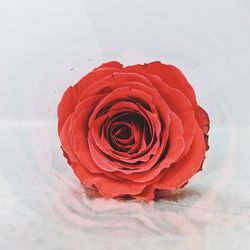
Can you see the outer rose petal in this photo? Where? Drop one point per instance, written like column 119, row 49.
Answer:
column 112, row 64
column 65, row 141
column 180, row 172
column 93, row 77
column 115, row 80
column 174, row 78
column 79, row 133
column 72, row 94
column 66, row 106
column 203, row 120
column 106, row 186
column 183, row 170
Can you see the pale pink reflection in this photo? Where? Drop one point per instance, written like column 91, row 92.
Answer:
column 172, row 216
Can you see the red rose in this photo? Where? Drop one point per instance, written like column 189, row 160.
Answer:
column 128, row 131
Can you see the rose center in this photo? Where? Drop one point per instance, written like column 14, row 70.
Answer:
column 122, row 132
column 129, row 132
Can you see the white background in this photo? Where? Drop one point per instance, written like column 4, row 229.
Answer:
column 47, row 45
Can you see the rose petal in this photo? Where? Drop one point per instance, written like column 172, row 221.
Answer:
column 181, row 171
column 203, row 120
column 106, row 186
column 66, row 106
column 112, row 64
column 93, row 77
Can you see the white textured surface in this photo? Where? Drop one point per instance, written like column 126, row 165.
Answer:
column 42, row 205
column 45, row 46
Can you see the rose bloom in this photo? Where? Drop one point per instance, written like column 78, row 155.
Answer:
column 129, row 131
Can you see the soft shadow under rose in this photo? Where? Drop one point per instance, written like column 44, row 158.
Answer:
column 129, row 131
